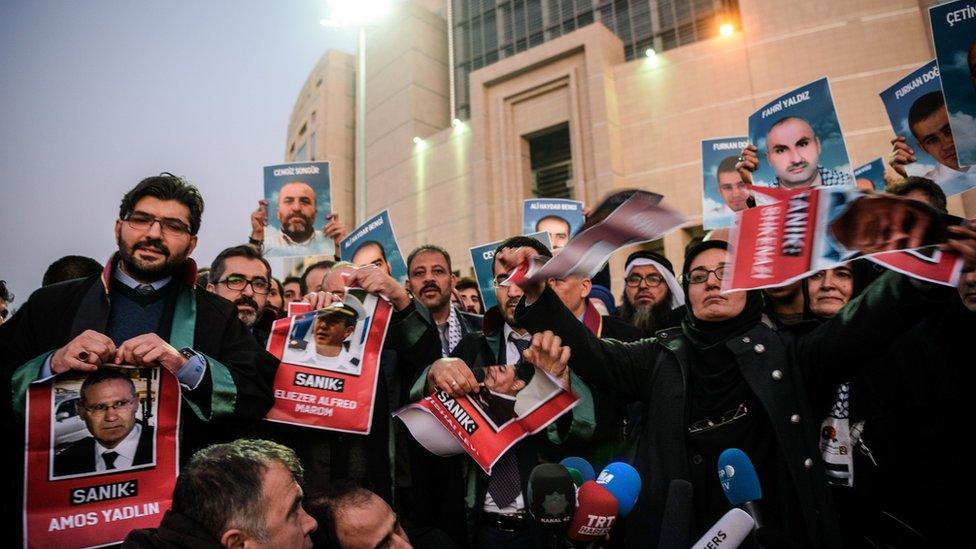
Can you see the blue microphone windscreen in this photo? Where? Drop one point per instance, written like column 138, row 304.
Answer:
column 580, row 465
column 623, row 481
column 738, row 477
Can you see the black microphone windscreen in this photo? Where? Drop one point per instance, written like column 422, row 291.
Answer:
column 676, row 522
column 551, row 496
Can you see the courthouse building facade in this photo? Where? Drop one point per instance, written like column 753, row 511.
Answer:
column 557, row 98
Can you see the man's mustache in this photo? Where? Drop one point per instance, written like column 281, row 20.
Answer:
column 246, row 300
column 430, row 287
column 153, row 244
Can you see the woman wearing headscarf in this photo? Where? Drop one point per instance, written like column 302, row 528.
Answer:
column 726, row 379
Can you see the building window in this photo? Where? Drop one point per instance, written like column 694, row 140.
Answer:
column 486, row 31
column 301, row 155
column 311, row 147
column 551, row 162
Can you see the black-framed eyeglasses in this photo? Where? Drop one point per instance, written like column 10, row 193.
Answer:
column 500, row 281
column 727, row 417
column 168, row 225
column 652, row 280
column 238, row 283
column 100, row 409
column 700, row 274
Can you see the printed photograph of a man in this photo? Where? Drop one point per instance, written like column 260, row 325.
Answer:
column 955, row 53
column 558, row 229
column 793, row 151
column 799, row 139
column 114, row 438
column 328, row 338
column 294, row 218
column 731, row 187
column 881, row 223
column 513, row 391
column 371, row 252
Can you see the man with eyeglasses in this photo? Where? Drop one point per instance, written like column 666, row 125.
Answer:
column 651, row 292
column 496, row 505
column 107, row 404
column 242, row 276
column 144, row 310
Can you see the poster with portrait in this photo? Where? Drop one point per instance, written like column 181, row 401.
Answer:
column 723, row 191
column 954, row 35
column 514, row 401
column 622, row 219
column 799, row 140
column 102, row 455
column 299, row 201
column 375, row 242
column 330, row 363
column 559, row 217
column 481, row 260
column 929, row 264
column 917, row 112
column 870, row 175
column 820, row 228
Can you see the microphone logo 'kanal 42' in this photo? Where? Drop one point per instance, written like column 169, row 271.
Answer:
column 555, row 505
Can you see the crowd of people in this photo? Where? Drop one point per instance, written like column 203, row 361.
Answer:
column 847, row 389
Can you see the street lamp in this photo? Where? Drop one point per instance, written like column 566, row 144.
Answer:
column 358, row 13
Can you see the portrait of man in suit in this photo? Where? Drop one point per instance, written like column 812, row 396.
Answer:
column 107, row 404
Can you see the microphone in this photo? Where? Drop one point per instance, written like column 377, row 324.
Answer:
column 551, row 497
column 596, row 512
column 581, row 465
column 623, row 481
column 729, row 532
column 676, row 522
column 576, row 476
column 740, row 482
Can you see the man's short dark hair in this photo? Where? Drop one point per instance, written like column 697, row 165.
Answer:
column 5, row 293
column 371, row 243
column 557, row 218
column 428, row 248
column 221, row 487
column 70, row 267
column 727, row 165
column 518, row 242
column 303, row 281
column 217, row 268
column 324, row 507
column 166, row 186
column 931, row 189
column 291, row 280
column 101, row 375
column 924, row 107
column 466, row 283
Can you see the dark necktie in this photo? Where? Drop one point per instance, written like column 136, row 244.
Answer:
column 145, row 289
column 505, row 483
column 520, row 344
column 110, row 458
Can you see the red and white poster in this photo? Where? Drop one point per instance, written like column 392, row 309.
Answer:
column 929, row 264
column 330, row 363
column 815, row 229
column 638, row 218
column 102, row 455
column 487, row 423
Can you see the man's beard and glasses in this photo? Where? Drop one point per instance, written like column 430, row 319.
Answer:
column 241, row 275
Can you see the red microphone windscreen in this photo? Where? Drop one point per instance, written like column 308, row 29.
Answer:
column 596, row 512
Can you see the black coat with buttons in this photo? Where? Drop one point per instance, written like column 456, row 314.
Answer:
column 787, row 371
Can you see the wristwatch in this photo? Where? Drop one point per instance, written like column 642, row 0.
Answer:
column 188, row 353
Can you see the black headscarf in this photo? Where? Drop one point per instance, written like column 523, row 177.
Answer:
column 704, row 334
